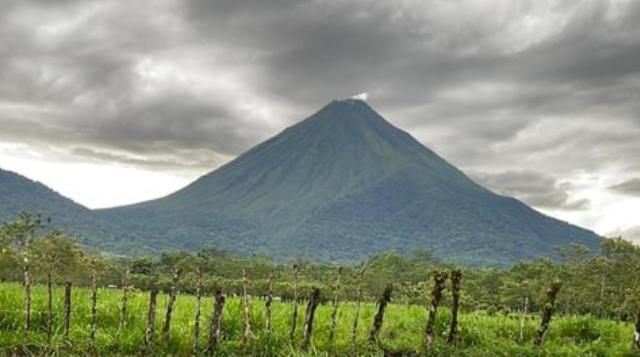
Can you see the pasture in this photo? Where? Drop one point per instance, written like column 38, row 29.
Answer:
column 402, row 333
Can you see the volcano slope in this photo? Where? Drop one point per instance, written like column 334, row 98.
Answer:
column 339, row 186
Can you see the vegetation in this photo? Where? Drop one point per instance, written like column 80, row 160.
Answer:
column 597, row 301
column 480, row 333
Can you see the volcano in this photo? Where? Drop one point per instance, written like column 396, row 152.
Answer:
column 341, row 185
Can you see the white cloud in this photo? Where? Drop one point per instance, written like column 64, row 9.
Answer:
column 362, row 96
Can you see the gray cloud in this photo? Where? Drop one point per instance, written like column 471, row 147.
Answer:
column 169, row 84
column 535, row 188
column 630, row 233
column 629, row 187
column 457, row 75
column 77, row 79
column 177, row 161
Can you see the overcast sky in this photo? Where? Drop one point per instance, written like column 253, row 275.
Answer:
column 113, row 102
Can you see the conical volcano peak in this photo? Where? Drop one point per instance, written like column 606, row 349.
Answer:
column 357, row 117
column 351, row 113
column 341, row 185
column 350, row 103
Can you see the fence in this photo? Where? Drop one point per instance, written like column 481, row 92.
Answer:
column 150, row 343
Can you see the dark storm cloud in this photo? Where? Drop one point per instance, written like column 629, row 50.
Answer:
column 629, row 187
column 76, row 80
column 535, row 188
column 564, row 96
column 408, row 51
column 497, row 87
column 170, row 121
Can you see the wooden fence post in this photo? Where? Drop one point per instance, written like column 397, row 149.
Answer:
column 635, row 345
column 547, row 311
column 50, row 298
column 151, row 319
column 311, row 309
column 27, row 296
column 294, row 317
column 216, row 322
column 67, row 309
column 196, row 324
column 379, row 318
column 439, row 279
column 94, row 303
column 524, row 316
column 123, row 307
column 354, row 334
column 456, row 279
column 267, row 305
column 166, row 328
column 336, row 302
column 123, row 302
column 246, row 336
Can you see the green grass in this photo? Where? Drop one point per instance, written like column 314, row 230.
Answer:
column 480, row 334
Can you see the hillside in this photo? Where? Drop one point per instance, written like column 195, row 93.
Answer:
column 339, row 186
column 20, row 194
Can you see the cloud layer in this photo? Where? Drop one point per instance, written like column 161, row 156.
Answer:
column 629, row 187
column 535, row 188
column 538, row 99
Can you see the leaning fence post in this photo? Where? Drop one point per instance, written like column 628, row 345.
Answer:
column 216, row 321
column 267, row 305
column 354, row 334
column 635, row 345
column 27, row 296
column 524, row 316
column 151, row 319
column 336, row 301
column 439, row 279
column 123, row 303
column 382, row 305
column 172, row 299
column 94, row 303
column 456, row 278
column 67, row 309
column 311, row 309
column 547, row 311
column 196, row 324
column 50, row 297
column 294, row 317
column 245, row 303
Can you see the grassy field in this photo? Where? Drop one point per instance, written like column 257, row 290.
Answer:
column 402, row 332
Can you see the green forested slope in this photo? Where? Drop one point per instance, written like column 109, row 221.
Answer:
column 341, row 185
